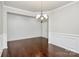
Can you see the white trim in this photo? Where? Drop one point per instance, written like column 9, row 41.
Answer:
column 19, row 11
column 1, row 52
column 73, row 36
column 67, row 5
column 4, row 16
column 1, row 41
column 22, row 38
column 64, row 6
column 1, row 47
column 65, row 47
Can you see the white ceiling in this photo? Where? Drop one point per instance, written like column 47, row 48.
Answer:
column 36, row 5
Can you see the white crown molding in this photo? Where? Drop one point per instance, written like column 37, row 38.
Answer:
column 18, row 11
column 64, row 6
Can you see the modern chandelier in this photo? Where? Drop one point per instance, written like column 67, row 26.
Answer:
column 42, row 17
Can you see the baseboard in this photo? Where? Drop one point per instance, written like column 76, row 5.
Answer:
column 1, row 41
column 67, row 41
column 1, row 52
column 1, row 47
column 65, row 47
column 28, row 38
column 4, row 41
column 21, row 38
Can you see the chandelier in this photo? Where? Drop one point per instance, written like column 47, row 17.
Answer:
column 42, row 17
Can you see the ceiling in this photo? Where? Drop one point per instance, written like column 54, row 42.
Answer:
column 35, row 6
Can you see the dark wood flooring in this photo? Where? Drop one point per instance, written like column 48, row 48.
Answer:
column 35, row 47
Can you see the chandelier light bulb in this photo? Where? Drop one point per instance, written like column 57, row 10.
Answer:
column 45, row 16
column 41, row 17
column 38, row 16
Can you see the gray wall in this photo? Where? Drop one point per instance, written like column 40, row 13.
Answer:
column 64, row 27
column 66, row 20
column 20, row 27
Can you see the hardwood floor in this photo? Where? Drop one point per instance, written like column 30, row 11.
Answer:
column 28, row 47
column 55, row 51
column 35, row 47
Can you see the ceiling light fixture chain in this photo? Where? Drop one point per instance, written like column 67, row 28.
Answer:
column 41, row 8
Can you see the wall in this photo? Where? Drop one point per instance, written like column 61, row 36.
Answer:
column 67, row 20
column 45, row 29
column 0, row 18
column 65, row 27
column 8, row 9
column 20, row 27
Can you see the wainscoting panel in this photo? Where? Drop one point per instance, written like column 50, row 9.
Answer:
column 67, row 41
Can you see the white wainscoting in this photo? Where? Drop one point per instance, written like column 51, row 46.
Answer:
column 1, row 45
column 67, row 41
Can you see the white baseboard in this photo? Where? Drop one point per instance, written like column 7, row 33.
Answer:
column 65, row 47
column 4, row 40
column 22, row 38
column 1, row 48
column 67, row 41
column 1, row 41
column 1, row 52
